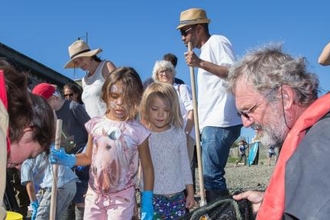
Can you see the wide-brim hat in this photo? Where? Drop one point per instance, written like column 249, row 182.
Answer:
column 193, row 16
column 77, row 49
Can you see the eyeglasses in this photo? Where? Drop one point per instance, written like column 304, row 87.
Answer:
column 246, row 113
column 164, row 72
column 185, row 32
column 68, row 95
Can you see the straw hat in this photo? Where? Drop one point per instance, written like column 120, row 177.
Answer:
column 80, row 49
column 193, row 16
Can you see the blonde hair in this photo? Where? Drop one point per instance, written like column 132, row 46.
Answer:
column 168, row 95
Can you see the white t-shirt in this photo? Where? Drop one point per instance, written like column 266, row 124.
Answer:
column 216, row 105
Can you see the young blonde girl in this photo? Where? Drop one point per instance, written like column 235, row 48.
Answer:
column 160, row 112
column 115, row 144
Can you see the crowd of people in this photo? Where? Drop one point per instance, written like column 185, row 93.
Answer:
column 121, row 135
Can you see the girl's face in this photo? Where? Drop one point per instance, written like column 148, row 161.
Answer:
column 165, row 75
column 116, row 103
column 159, row 115
column 83, row 63
column 25, row 148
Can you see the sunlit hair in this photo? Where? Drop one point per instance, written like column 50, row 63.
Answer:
column 269, row 67
column 162, row 64
column 168, row 95
column 132, row 86
column 26, row 110
column 19, row 104
column 43, row 122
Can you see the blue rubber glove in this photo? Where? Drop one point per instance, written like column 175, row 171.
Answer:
column 147, row 210
column 34, row 206
column 60, row 157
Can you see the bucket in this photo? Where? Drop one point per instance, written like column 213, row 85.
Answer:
column 14, row 216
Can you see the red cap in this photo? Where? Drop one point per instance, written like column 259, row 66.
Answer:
column 44, row 89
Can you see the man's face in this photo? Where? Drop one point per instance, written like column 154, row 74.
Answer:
column 25, row 148
column 265, row 117
column 188, row 35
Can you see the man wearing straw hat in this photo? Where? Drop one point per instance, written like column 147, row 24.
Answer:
column 218, row 122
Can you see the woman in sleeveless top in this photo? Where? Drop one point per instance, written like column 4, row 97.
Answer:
column 97, row 70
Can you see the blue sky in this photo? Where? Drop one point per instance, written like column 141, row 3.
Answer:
column 137, row 33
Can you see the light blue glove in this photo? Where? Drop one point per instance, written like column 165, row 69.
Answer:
column 34, row 206
column 147, row 210
column 60, row 157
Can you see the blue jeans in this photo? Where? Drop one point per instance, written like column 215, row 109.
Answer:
column 65, row 194
column 216, row 142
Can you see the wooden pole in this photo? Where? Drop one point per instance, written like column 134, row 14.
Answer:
column 52, row 215
column 197, row 133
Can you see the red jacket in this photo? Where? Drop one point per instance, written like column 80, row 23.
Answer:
column 274, row 198
column 3, row 98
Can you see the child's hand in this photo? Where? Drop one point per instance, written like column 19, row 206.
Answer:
column 60, row 157
column 190, row 201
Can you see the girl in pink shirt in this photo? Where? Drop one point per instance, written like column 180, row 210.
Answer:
column 116, row 143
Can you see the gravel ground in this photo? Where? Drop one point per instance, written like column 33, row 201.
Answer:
column 243, row 178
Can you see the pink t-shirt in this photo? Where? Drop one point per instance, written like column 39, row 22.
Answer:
column 115, row 156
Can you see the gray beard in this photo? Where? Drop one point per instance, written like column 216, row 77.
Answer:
column 274, row 135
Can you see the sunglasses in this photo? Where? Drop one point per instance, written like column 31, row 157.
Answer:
column 185, row 32
column 246, row 113
column 70, row 95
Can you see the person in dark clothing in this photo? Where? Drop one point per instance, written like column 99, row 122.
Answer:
column 174, row 60
column 242, row 154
